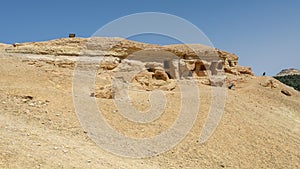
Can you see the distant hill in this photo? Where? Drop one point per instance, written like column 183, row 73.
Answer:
column 291, row 71
column 290, row 80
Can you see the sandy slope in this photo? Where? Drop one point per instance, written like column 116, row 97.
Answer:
column 259, row 129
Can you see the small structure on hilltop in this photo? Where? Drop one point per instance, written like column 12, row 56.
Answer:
column 72, row 35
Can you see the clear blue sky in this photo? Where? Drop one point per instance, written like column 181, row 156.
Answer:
column 265, row 34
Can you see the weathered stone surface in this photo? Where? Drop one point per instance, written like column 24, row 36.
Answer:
column 104, row 92
column 230, row 62
column 216, row 68
column 117, row 47
column 160, row 75
column 200, row 59
column 67, row 47
column 155, row 65
column 188, row 68
column 147, row 66
column 109, row 63
column 245, row 70
column 193, row 51
column 217, row 81
column 146, row 80
column 177, row 69
column 230, row 59
column 127, row 69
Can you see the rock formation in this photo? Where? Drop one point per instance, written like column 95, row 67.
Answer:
column 122, row 48
column 153, row 66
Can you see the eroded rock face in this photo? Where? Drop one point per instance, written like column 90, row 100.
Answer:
column 122, row 48
column 245, row 70
column 145, row 66
column 143, row 76
column 158, row 79
column 231, row 66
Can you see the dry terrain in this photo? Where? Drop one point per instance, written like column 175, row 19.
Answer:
column 260, row 127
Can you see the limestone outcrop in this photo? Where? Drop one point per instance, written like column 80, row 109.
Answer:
column 122, row 48
column 146, row 66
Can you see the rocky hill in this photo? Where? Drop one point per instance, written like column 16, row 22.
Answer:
column 39, row 126
column 291, row 71
column 290, row 77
